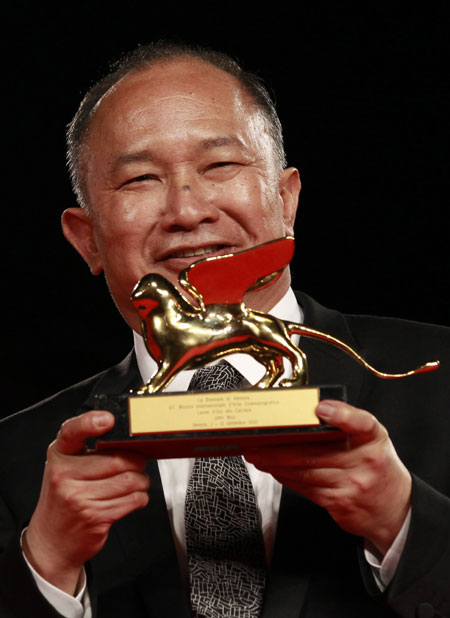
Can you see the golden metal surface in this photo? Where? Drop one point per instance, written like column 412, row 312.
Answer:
column 180, row 336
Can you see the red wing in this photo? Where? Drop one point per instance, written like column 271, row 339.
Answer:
column 225, row 279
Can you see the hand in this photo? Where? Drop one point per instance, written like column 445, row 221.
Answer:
column 361, row 481
column 82, row 494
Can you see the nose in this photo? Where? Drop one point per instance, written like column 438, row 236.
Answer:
column 187, row 206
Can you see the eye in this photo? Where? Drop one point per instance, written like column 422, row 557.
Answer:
column 220, row 164
column 222, row 170
column 138, row 179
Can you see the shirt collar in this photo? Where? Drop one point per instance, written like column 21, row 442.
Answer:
column 286, row 309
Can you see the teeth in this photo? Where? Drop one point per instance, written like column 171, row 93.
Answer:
column 195, row 252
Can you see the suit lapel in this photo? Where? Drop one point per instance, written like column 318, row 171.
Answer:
column 142, row 541
column 159, row 581
column 117, row 380
column 288, row 577
column 326, row 363
column 297, row 535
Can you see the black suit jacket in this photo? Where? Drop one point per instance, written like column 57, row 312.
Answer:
column 317, row 569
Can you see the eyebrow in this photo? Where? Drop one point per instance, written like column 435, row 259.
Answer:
column 218, row 142
column 139, row 156
column 148, row 155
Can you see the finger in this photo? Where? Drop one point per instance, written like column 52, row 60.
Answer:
column 353, row 421
column 109, row 511
column 309, row 478
column 304, row 456
column 114, row 487
column 92, row 466
column 73, row 433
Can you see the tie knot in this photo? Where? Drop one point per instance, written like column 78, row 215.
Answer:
column 220, row 377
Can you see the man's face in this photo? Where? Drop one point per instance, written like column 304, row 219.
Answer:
column 178, row 166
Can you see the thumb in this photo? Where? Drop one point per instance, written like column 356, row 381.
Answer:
column 359, row 424
column 71, row 436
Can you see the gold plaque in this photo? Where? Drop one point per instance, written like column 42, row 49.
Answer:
column 242, row 409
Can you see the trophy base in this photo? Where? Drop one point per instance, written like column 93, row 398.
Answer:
column 215, row 423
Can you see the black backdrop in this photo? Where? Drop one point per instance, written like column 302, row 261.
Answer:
column 363, row 93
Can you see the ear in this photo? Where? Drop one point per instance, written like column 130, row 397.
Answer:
column 78, row 229
column 289, row 187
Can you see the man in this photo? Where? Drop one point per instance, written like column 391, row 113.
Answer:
column 177, row 155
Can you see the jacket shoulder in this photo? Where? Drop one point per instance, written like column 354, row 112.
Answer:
column 41, row 421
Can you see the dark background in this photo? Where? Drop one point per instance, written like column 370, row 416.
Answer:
column 363, row 93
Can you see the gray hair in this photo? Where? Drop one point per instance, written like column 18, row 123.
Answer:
column 139, row 60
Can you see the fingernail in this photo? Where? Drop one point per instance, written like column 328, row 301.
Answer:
column 325, row 410
column 102, row 420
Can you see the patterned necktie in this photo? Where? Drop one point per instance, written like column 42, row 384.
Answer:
column 223, row 528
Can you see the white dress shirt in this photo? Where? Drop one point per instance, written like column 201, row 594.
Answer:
column 175, row 474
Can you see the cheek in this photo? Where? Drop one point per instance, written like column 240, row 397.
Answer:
column 130, row 215
column 128, row 211
column 268, row 211
column 121, row 223
column 255, row 191
column 118, row 242
column 251, row 198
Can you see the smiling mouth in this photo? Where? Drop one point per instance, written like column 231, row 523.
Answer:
column 197, row 252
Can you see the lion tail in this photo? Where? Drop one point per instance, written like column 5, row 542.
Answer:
column 305, row 331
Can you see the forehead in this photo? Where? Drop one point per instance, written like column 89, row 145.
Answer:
column 179, row 93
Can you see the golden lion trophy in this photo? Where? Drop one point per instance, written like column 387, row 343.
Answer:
column 182, row 335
